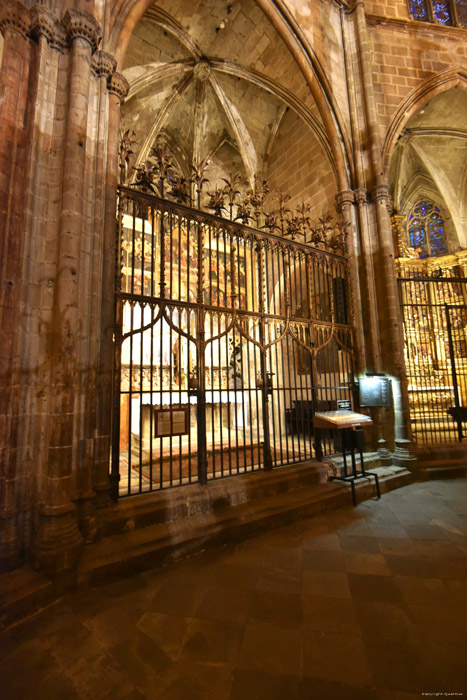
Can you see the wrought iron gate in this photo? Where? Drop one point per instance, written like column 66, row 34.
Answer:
column 435, row 336
column 227, row 340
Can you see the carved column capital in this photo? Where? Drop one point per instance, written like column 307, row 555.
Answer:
column 103, row 64
column 43, row 23
column 361, row 196
column 13, row 15
column 380, row 194
column 119, row 85
column 82, row 25
column 343, row 198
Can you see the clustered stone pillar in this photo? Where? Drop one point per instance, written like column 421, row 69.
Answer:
column 118, row 89
column 344, row 205
column 387, row 345
column 14, row 79
column 58, row 542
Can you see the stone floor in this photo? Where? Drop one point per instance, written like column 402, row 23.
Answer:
column 366, row 603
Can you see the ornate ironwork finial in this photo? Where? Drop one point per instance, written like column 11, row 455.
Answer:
column 126, row 151
column 230, row 190
column 197, row 177
column 216, row 201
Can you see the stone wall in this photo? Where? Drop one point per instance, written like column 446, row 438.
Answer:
column 299, row 167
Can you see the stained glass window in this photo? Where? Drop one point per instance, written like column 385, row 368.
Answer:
column 419, row 10
column 441, row 12
column 426, row 229
column 449, row 12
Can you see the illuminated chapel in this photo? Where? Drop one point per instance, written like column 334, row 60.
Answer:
column 220, row 218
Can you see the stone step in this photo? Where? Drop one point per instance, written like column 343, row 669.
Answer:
column 180, row 502
column 149, row 547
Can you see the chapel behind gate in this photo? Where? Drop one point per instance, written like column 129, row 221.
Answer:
column 217, row 220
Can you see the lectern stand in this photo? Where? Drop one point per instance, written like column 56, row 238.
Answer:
column 349, row 425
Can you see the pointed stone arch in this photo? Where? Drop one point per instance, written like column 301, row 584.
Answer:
column 442, row 82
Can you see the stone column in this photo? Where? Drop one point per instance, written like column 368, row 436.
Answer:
column 102, row 67
column 118, row 89
column 14, row 84
column 344, row 205
column 58, row 542
column 392, row 329
column 389, row 354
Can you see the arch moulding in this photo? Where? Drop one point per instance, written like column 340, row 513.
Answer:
column 442, row 82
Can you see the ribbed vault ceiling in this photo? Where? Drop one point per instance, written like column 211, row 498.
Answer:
column 215, row 80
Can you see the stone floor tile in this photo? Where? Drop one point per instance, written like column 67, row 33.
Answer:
column 410, row 566
column 212, row 642
column 275, row 609
column 401, row 547
column 405, row 667
column 385, row 621
column 363, row 563
column 177, row 599
column 424, row 591
column 190, row 681
column 442, row 548
column 111, row 626
column 140, row 658
column 330, row 690
column 256, row 685
column 122, row 587
column 169, row 632
column 272, row 650
column 388, row 530
column 459, row 591
column 328, row 542
column 283, row 558
column 359, row 527
column 216, row 603
column 451, row 661
column 373, row 587
column 329, row 615
column 425, row 532
column 100, row 677
column 234, row 576
column 450, row 567
column 335, row 657
column 280, row 580
column 318, row 560
column 326, row 584
column 441, row 624
column 355, row 543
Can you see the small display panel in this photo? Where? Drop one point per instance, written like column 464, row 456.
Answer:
column 375, row 391
column 171, row 421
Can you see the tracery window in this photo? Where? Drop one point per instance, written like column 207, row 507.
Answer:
column 452, row 13
column 426, row 229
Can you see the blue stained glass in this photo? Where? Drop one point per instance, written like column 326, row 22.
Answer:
column 426, row 229
column 441, row 12
column 419, row 10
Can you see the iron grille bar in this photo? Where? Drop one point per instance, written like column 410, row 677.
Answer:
column 218, row 329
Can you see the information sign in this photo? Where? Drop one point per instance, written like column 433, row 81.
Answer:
column 375, row 391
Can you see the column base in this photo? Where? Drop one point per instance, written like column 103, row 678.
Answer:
column 403, row 456
column 86, row 515
column 385, row 455
column 58, row 546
